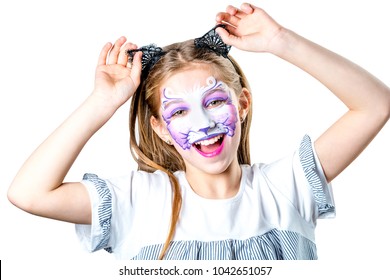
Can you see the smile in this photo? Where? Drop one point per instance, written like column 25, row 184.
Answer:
column 210, row 147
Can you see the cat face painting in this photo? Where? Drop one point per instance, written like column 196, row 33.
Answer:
column 201, row 115
column 200, row 118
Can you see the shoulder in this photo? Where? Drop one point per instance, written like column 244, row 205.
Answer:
column 134, row 183
column 299, row 160
column 299, row 178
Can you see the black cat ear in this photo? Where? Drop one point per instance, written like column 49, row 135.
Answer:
column 150, row 55
column 212, row 41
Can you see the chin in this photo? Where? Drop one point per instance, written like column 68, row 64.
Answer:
column 216, row 169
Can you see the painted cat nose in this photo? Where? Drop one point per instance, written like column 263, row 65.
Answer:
column 204, row 130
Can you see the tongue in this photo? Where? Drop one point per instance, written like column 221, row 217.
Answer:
column 209, row 148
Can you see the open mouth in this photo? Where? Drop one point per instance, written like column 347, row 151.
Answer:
column 210, row 147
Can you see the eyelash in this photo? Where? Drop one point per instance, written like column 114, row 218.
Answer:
column 210, row 104
column 178, row 113
column 215, row 103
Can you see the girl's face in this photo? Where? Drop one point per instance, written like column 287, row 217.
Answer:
column 200, row 112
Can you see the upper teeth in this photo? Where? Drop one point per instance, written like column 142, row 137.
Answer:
column 209, row 141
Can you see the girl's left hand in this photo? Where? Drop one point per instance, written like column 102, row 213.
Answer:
column 249, row 28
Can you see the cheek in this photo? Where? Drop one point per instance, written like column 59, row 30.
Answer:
column 222, row 112
column 227, row 115
column 179, row 129
column 232, row 111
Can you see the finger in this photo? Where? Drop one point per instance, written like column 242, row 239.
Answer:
column 227, row 18
column 113, row 56
column 226, row 36
column 103, row 54
column 232, row 30
column 234, row 11
column 231, row 10
column 136, row 67
column 123, row 57
column 247, row 8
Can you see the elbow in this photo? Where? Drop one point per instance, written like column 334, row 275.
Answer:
column 385, row 109
column 20, row 200
column 388, row 106
column 382, row 108
column 14, row 197
column 382, row 114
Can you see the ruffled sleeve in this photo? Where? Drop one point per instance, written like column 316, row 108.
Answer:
column 97, row 235
column 126, row 211
column 299, row 178
column 321, row 190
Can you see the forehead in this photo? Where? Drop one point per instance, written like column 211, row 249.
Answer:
column 185, row 80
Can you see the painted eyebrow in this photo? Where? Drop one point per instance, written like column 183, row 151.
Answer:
column 211, row 91
column 171, row 101
column 219, row 86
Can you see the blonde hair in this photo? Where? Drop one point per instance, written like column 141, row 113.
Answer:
column 150, row 151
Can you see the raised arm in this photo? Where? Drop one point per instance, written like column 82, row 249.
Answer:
column 367, row 98
column 38, row 187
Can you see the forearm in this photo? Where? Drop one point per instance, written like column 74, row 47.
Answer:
column 367, row 99
column 46, row 168
column 354, row 86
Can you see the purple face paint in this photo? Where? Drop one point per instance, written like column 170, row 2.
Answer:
column 200, row 114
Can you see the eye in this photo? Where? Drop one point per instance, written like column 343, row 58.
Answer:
column 179, row 113
column 214, row 103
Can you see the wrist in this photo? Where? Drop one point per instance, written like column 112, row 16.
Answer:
column 97, row 110
column 283, row 43
column 102, row 106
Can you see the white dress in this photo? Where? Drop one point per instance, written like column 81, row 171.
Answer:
column 273, row 215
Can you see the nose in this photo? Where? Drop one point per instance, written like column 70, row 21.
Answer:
column 202, row 121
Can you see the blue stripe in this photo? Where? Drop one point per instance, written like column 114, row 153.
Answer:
column 273, row 245
column 104, row 210
column 312, row 175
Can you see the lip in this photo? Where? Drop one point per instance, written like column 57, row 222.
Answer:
column 213, row 153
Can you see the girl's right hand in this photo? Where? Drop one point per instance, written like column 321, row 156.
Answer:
column 115, row 80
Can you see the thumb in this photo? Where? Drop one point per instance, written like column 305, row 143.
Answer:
column 136, row 68
column 227, row 37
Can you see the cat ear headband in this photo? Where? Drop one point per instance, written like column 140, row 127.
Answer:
column 211, row 41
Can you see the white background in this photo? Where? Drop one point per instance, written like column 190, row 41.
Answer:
column 48, row 54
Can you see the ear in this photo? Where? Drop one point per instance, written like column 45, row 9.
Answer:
column 160, row 128
column 244, row 102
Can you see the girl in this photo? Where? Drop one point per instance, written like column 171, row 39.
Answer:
column 196, row 194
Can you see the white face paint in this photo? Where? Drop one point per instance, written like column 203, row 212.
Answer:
column 202, row 116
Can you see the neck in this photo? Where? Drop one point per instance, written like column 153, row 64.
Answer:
column 215, row 186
